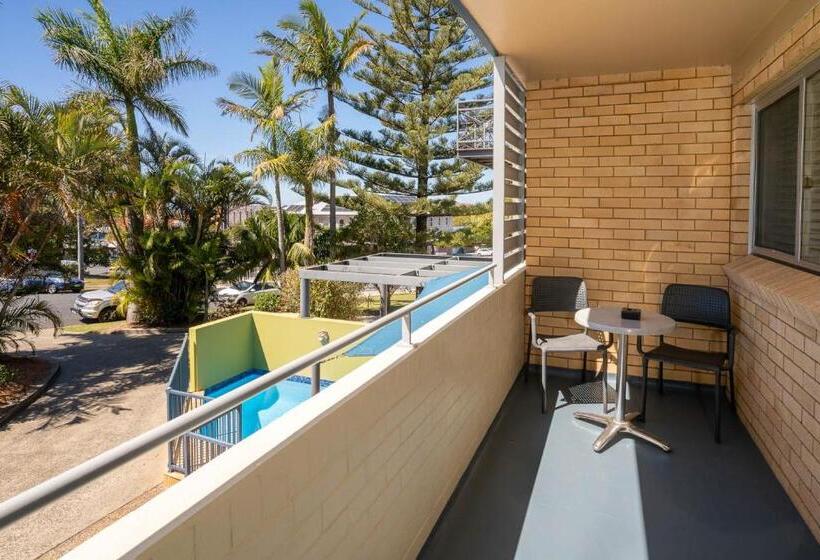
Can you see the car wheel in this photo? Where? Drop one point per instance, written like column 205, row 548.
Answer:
column 106, row 315
column 241, row 302
column 52, row 288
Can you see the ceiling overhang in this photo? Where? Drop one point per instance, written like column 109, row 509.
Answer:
column 545, row 39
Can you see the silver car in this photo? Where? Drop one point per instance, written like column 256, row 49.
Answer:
column 244, row 293
column 99, row 305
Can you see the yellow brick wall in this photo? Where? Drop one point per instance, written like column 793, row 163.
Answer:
column 778, row 355
column 629, row 186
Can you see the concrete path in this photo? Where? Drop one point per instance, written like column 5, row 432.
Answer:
column 111, row 388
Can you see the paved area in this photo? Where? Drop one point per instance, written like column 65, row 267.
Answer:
column 536, row 490
column 111, row 388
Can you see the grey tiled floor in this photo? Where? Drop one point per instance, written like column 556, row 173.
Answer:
column 536, row 490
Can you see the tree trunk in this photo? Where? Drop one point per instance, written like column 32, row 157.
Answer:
column 80, row 255
column 331, row 111
column 280, row 224
column 309, row 217
column 421, row 219
column 133, row 217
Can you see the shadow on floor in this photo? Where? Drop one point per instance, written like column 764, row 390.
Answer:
column 535, row 488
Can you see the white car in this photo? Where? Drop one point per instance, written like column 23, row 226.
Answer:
column 244, row 293
column 484, row 252
column 98, row 304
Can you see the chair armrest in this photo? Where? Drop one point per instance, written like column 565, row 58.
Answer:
column 533, row 335
column 640, row 345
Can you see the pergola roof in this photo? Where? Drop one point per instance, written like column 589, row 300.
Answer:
column 392, row 269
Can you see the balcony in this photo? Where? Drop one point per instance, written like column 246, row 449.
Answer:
column 474, row 131
column 535, row 490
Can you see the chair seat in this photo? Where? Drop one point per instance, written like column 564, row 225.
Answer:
column 579, row 342
column 696, row 359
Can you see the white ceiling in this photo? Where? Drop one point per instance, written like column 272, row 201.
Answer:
column 547, row 38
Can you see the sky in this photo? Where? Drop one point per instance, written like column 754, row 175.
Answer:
column 225, row 36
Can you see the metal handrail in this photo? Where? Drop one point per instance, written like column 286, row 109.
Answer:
column 29, row 500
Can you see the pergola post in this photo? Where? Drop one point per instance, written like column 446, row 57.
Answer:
column 384, row 293
column 304, row 297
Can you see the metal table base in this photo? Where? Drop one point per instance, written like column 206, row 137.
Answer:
column 620, row 421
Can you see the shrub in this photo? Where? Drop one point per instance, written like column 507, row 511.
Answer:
column 224, row 310
column 7, row 374
column 332, row 300
column 268, row 301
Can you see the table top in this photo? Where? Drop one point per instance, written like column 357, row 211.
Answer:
column 608, row 319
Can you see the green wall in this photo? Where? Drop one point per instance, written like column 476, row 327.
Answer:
column 221, row 349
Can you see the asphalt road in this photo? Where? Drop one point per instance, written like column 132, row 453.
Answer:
column 61, row 304
column 111, row 389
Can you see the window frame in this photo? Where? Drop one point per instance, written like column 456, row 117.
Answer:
column 796, row 81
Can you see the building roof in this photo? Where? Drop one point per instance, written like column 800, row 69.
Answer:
column 319, row 209
column 393, row 269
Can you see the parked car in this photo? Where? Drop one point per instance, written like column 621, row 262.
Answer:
column 244, row 293
column 55, row 281
column 484, row 252
column 99, row 305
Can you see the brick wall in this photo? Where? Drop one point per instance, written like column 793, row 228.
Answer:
column 629, row 186
column 778, row 390
column 778, row 368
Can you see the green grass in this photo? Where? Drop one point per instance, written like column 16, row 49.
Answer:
column 97, row 282
column 372, row 304
column 84, row 328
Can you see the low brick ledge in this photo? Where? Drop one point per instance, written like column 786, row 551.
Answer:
column 788, row 289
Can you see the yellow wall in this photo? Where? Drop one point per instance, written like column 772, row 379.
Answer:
column 283, row 337
column 221, row 349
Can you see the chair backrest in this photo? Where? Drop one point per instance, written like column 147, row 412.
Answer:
column 558, row 293
column 701, row 305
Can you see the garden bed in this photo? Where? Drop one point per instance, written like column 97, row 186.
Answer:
column 33, row 376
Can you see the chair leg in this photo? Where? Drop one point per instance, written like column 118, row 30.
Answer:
column 717, row 406
column 604, row 383
column 660, row 378
column 529, row 353
column 732, row 388
column 645, row 374
column 543, row 382
column 584, row 369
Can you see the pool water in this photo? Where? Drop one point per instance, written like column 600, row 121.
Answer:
column 265, row 407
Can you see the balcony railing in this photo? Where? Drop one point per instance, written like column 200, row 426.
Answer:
column 48, row 491
column 474, row 130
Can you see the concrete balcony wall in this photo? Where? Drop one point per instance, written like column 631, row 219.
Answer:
column 362, row 470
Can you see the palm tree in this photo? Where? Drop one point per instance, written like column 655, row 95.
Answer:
column 306, row 160
column 129, row 66
column 257, row 243
column 320, row 57
column 269, row 110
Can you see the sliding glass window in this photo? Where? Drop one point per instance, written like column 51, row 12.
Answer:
column 786, row 199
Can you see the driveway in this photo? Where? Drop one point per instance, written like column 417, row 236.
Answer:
column 111, row 388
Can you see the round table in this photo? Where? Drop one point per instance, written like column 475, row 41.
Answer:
column 608, row 319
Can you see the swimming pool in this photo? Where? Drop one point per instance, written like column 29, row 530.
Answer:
column 265, row 407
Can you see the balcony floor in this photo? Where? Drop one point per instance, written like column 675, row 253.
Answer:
column 535, row 488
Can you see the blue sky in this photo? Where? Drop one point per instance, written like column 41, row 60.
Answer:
column 225, row 35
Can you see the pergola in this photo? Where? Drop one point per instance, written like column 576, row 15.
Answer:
column 385, row 270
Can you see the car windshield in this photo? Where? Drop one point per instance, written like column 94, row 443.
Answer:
column 117, row 287
column 242, row 285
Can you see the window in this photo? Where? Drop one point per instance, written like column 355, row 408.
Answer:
column 786, row 203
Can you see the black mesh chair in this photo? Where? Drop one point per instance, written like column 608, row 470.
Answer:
column 699, row 305
column 561, row 294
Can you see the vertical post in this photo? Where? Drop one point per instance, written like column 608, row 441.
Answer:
column 304, row 297
column 384, row 294
column 499, row 153
column 315, row 378
column 406, row 330
column 80, row 248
